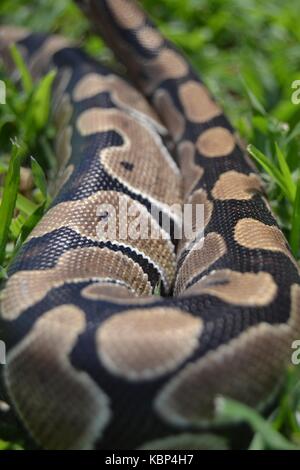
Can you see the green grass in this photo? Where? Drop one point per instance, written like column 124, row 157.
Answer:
column 248, row 53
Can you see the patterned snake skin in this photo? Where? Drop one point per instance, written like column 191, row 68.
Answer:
column 95, row 360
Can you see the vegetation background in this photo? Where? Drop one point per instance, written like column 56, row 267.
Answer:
column 248, row 53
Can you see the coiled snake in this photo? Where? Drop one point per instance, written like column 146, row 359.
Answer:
column 95, row 360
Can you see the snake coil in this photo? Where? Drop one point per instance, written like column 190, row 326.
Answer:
column 95, row 360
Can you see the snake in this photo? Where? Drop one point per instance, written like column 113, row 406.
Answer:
column 126, row 342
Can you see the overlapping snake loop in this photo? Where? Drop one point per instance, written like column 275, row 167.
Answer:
column 95, row 359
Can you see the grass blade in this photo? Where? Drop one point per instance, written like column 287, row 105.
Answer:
column 231, row 409
column 295, row 230
column 269, row 168
column 9, row 197
column 41, row 100
column 39, row 177
column 22, row 68
column 291, row 187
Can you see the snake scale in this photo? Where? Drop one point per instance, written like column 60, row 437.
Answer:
column 95, row 360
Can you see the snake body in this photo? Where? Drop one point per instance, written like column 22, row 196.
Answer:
column 95, row 360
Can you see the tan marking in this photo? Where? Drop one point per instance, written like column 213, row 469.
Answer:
column 168, row 64
column 251, row 289
column 41, row 60
column 197, row 103
column 149, row 37
column 198, row 197
column 63, row 112
column 215, row 142
column 169, row 114
column 127, row 13
column 107, row 291
column 235, row 370
column 150, row 168
column 61, row 179
column 66, row 410
column 11, row 34
column 64, row 146
column 235, row 185
column 253, row 234
column 117, row 293
column 123, row 216
column 186, row 441
column 203, row 255
column 122, row 93
column 26, row 288
column 60, row 88
column 191, row 172
column 144, row 344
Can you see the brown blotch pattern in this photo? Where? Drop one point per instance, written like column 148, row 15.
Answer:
column 143, row 171
column 127, row 13
column 63, row 146
column 144, row 344
column 11, row 34
column 200, row 198
column 26, row 288
column 66, row 410
column 235, row 185
column 250, row 289
column 170, row 115
column 197, row 104
column 203, row 255
column 118, row 293
column 191, row 172
column 235, row 370
column 254, row 234
column 108, row 291
column 123, row 95
column 41, row 60
column 216, row 142
column 168, row 64
column 63, row 113
column 60, row 88
column 149, row 37
column 115, row 217
column 62, row 177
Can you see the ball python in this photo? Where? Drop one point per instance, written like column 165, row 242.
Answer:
column 96, row 358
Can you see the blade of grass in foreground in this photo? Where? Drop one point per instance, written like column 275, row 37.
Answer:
column 295, row 231
column 9, row 197
column 231, row 409
column 271, row 169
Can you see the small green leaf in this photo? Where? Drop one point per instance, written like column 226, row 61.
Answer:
column 41, row 101
column 3, row 273
column 287, row 177
column 25, row 205
column 39, row 177
column 9, row 197
column 270, row 168
column 231, row 409
column 22, row 68
column 31, row 222
column 295, row 230
column 256, row 104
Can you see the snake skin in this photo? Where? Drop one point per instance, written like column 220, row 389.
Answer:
column 95, row 360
